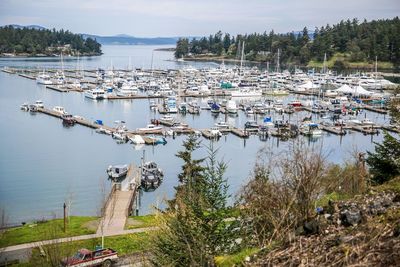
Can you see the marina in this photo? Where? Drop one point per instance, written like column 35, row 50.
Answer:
column 97, row 149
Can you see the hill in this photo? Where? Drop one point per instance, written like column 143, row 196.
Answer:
column 123, row 39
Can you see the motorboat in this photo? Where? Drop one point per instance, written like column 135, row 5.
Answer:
column 367, row 122
column 295, row 103
column 137, row 139
column 171, row 105
column 59, row 110
column 102, row 130
column 153, row 104
column 215, row 108
column 117, row 171
column 25, row 107
column 222, row 125
column 251, row 125
column 44, row 78
column 150, row 127
column 157, row 140
column 95, row 94
column 39, row 104
column 310, row 129
column 231, row 107
column 215, row 132
column 249, row 111
column 127, row 90
column 68, row 119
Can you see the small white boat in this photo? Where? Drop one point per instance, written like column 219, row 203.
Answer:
column 137, row 139
column 367, row 122
column 231, row 107
column 215, row 132
column 150, row 127
column 39, row 104
column 222, row 125
column 95, row 94
column 43, row 78
column 59, row 109
column 25, row 107
column 103, row 131
column 117, row 171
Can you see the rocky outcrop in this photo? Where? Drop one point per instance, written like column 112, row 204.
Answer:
column 360, row 232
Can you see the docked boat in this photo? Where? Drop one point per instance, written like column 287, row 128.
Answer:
column 68, row 119
column 59, row 110
column 249, row 111
column 251, row 125
column 127, row 90
column 215, row 108
column 222, row 125
column 157, row 140
column 102, row 130
column 25, row 107
column 44, row 78
column 246, row 92
column 231, row 107
column 95, row 94
column 310, row 129
column 171, row 105
column 39, row 104
column 137, row 139
column 153, row 104
column 152, row 175
column 367, row 122
column 215, row 132
column 117, row 171
column 295, row 103
column 150, row 127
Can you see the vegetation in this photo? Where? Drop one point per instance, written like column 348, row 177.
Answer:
column 135, row 222
column 45, row 42
column 41, row 230
column 359, row 42
column 195, row 229
column 384, row 163
column 124, row 244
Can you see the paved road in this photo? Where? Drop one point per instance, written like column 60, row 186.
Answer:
column 23, row 251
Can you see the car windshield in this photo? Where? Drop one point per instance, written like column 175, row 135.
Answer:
column 78, row 256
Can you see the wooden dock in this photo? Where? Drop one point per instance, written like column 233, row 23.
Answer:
column 333, row 129
column 366, row 129
column 119, row 203
column 374, row 109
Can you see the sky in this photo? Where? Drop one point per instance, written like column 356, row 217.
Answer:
column 152, row 18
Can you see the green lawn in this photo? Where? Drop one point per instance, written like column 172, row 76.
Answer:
column 124, row 244
column 344, row 58
column 234, row 259
column 135, row 222
column 48, row 230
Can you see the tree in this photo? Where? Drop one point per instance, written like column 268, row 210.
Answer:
column 182, row 47
column 194, row 228
column 384, row 163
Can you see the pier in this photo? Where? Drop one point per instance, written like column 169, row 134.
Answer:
column 119, row 203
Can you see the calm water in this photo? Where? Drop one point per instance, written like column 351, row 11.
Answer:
column 43, row 164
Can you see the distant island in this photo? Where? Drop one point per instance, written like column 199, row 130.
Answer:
column 348, row 44
column 33, row 40
column 124, row 39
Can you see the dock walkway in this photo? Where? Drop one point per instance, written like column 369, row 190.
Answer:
column 119, row 203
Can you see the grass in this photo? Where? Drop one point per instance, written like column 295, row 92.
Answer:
column 345, row 59
column 335, row 196
column 123, row 244
column 135, row 222
column 234, row 259
column 46, row 230
column 392, row 185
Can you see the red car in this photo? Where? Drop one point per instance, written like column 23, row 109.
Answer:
column 84, row 257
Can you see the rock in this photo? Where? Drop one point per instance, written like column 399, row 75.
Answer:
column 396, row 230
column 396, row 198
column 311, row 227
column 349, row 218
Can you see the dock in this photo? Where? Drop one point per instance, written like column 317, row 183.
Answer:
column 374, row 109
column 333, row 129
column 120, row 201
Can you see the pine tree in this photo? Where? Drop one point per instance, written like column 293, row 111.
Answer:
column 385, row 162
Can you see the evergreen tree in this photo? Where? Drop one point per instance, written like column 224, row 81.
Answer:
column 384, row 163
column 193, row 230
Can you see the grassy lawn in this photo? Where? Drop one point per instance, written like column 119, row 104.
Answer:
column 124, row 244
column 344, row 57
column 135, row 222
column 48, row 230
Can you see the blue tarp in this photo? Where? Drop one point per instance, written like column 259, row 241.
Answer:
column 267, row 119
column 99, row 122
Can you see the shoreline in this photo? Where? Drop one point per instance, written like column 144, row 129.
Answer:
column 44, row 55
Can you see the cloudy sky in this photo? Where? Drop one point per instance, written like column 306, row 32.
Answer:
column 150, row 18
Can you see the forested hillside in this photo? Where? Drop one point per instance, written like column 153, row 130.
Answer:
column 33, row 42
column 349, row 41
